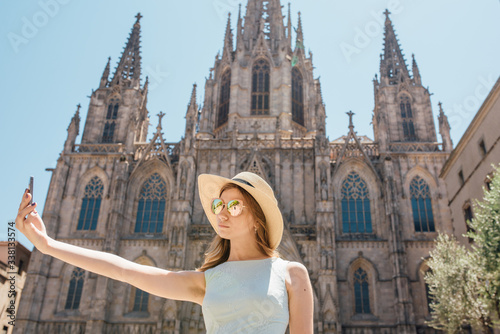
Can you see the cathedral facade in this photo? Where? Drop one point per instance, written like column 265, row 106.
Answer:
column 360, row 214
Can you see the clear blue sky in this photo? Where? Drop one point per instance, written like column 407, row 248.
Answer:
column 54, row 52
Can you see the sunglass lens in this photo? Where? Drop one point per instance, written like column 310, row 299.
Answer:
column 234, row 207
column 217, row 206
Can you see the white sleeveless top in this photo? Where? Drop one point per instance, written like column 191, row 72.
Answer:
column 246, row 297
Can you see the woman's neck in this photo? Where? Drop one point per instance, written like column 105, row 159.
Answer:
column 241, row 252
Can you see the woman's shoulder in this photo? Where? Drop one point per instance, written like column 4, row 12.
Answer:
column 296, row 271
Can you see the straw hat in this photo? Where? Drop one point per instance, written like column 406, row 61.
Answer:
column 209, row 187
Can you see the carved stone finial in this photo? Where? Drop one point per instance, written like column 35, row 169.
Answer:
column 351, row 125
column 160, row 116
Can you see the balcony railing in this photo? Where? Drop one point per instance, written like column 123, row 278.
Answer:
column 61, row 327
column 99, row 148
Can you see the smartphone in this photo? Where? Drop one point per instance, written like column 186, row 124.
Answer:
column 31, row 188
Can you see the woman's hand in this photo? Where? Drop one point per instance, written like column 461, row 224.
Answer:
column 29, row 222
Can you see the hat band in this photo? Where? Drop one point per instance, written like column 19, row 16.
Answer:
column 244, row 182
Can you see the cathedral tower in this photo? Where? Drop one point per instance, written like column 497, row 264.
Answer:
column 263, row 82
column 117, row 111
column 403, row 112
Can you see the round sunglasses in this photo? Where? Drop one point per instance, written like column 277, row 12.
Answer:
column 234, row 207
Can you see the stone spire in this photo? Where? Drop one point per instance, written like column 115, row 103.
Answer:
column 192, row 102
column 300, row 35
column 191, row 120
column 128, row 71
column 299, row 44
column 105, row 75
column 393, row 67
column 444, row 130
column 415, row 71
column 73, row 131
column 145, row 87
column 239, row 30
column 289, row 27
column 264, row 16
column 228, row 39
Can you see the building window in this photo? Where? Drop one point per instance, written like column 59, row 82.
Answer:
column 141, row 301
column 225, row 90
column 260, row 87
column 356, row 214
column 21, row 267
column 151, row 208
column 109, row 132
column 91, row 203
column 421, row 205
column 75, row 289
column 297, row 97
column 361, row 292
column 487, row 182
column 407, row 119
column 461, row 177
column 112, row 109
column 468, row 216
column 428, row 296
column 482, row 148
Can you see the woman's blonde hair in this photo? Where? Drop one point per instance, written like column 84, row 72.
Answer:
column 218, row 251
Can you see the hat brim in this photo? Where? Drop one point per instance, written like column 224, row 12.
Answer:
column 209, row 187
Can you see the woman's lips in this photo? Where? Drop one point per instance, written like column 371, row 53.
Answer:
column 223, row 226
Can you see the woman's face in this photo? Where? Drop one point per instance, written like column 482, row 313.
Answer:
column 234, row 228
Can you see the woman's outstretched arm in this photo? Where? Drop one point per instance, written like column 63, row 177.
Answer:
column 185, row 285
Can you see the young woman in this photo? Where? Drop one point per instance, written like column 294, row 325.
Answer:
column 243, row 286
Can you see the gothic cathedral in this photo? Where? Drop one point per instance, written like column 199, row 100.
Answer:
column 360, row 214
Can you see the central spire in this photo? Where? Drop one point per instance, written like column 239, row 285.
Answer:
column 264, row 17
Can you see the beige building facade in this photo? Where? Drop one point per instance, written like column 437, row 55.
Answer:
column 360, row 213
column 470, row 165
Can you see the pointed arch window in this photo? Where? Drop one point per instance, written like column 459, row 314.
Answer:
column 407, row 118
column 297, row 97
column 91, row 204
column 112, row 109
column 75, row 289
column 151, row 207
column 355, row 199
column 260, row 87
column 141, row 300
column 109, row 125
column 109, row 132
column 421, row 205
column 361, row 292
column 225, row 90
